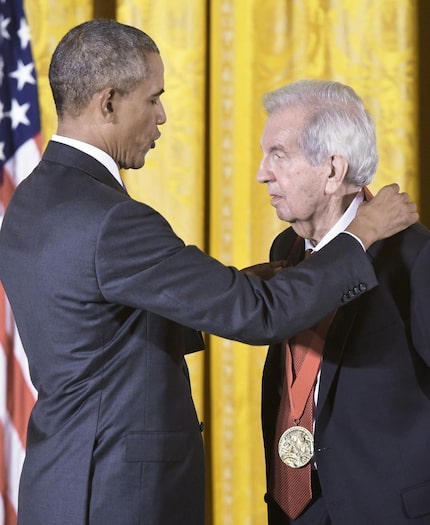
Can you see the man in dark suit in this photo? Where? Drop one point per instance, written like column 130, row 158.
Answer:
column 103, row 292
column 370, row 395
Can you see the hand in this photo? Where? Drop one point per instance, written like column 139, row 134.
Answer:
column 265, row 270
column 389, row 212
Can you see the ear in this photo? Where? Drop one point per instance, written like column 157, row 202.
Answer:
column 338, row 169
column 107, row 103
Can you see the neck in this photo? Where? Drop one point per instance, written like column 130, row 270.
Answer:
column 317, row 228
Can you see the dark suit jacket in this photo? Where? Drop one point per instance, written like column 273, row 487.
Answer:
column 102, row 289
column 372, row 430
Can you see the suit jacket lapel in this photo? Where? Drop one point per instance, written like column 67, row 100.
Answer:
column 337, row 338
column 334, row 348
column 340, row 328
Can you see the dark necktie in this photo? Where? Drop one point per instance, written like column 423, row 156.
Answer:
column 291, row 487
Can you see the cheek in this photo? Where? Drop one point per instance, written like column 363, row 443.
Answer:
column 301, row 196
column 137, row 122
column 147, row 127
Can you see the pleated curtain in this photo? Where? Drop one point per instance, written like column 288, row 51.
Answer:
column 220, row 57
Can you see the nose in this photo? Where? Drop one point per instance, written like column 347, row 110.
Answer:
column 161, row 116
column 264, row 173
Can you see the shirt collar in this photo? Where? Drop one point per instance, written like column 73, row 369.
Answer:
column 341, row 224
column 94, row 152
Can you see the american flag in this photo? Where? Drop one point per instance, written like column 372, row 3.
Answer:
column 20, row 146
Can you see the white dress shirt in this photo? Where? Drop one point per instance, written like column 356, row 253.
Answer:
column 94, row 152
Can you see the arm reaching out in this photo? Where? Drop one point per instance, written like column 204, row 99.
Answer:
column 389, row 212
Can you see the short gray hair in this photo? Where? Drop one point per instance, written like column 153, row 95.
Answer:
column 93, row 56
column 336, row 122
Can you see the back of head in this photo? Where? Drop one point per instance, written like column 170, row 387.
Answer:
column 336, row 123
column 95, row 55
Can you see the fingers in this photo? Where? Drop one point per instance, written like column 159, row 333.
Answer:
column 410, row 206
column 394, row 186
column 388, row 213
column 391, row 193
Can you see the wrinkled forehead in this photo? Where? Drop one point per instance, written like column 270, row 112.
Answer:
column 283, row 127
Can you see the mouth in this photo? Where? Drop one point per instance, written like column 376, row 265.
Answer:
column 274, row 199
column 153, row 142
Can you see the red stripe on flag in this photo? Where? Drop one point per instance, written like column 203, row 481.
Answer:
column 3, row 481
column 10, row 516
column 6, row 189
column 19, row 396
column 5, row 338
column 38, row 140
column 19, row 399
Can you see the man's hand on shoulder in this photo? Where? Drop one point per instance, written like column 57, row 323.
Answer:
column 388, row 213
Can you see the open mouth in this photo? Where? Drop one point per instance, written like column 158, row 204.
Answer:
column 274, row 199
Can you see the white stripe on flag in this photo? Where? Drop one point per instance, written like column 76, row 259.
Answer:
column 24, row 160
column 13, row 450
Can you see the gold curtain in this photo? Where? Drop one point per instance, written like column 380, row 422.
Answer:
column 49, row 20
column 220, row 57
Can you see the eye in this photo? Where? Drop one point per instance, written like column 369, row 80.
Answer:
column 278, row 155
column 154, row 100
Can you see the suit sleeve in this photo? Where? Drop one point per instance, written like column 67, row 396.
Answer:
column 420, row 303
column 140, row 262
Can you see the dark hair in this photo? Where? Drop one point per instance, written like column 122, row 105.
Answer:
column 93, row 56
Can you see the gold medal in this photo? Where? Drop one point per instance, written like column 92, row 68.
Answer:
column 296, row 446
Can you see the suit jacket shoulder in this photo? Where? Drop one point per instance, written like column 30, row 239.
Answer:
column 75, row 159
column 282, row 244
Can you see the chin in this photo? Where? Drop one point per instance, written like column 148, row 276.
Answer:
column 133, row 166
column 285, row 216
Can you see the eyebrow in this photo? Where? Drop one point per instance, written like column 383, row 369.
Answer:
column 277, row 147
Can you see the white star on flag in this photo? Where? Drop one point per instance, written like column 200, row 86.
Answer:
column 18, row 114
column 24, row 33
column 4, row 22
column 24, row 74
